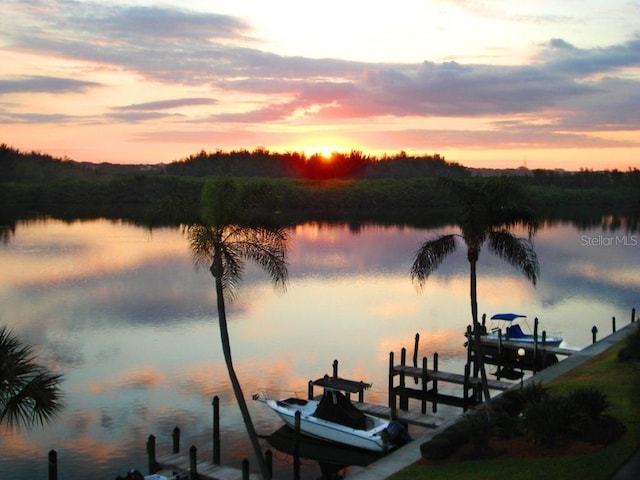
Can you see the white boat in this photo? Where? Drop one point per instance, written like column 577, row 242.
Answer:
column 508, row 326
column 334, row 418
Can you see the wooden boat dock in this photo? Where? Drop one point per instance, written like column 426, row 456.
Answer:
column 178, row 465
column 410, row 418
column 431, row 377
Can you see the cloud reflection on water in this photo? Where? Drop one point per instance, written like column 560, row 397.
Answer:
column 125, row 316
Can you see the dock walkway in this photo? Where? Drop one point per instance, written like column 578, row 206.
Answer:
column 455, row 378
column 412, row 418
column 179, row 464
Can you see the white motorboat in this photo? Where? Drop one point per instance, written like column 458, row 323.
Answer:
column 334, row 418
column 508, row 326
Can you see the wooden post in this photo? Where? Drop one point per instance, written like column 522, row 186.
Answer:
column 404, row 400
column 434, row 405
column 536, row 323
column 633, row 314
column 216, row 430
column 335, row 369
column 392, row 397
column 484, row 321
column 268, row 456
column 415, row 354
column 465, row 393
column 151, row 455
column 296, row 447
column 53, row 465
column 594, row 334
column 175, row 436
column 613, row 324
column 425, row 381
column 245, row 469
column 499, row 351
column 361, row 393
column 193, row 463
column 310, row 390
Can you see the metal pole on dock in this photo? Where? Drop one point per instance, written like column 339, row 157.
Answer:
column 613, row 324
column 216, row 430
column 53, row 465
column 633, row 314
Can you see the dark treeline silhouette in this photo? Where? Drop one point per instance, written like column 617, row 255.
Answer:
column 353, row 165
column 348, row 187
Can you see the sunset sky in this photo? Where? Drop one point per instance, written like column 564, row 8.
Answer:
column 542, row 84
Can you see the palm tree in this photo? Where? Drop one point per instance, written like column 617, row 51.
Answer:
column 29, row 393
column 487, row 210
column 223, row 244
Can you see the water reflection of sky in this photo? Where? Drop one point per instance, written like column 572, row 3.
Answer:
column 122, row 312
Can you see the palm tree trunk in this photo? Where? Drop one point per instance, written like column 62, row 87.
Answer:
column 235, row 383
column 476, row 328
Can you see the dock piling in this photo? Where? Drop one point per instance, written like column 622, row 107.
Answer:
column 296, row 447
column 175, row 437
column 216, row 430
column 193, row 463
column 53, row 465
column 594, row 334
column 152, row 464
column 245, row 469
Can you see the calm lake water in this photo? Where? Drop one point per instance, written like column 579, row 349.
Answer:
column 124, row 315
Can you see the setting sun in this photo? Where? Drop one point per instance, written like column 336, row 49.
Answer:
column 324, row 151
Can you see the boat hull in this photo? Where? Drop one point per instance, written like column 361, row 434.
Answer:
column 526, row 340
column 372, row 439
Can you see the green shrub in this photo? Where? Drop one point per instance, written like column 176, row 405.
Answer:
column 590, row 401
column 552, row 420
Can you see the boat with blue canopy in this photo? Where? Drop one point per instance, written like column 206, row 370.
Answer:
column 508, row 327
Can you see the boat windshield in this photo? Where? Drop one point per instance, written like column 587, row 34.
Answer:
column 336, row 407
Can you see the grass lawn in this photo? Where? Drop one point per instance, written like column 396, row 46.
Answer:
column 619, row 381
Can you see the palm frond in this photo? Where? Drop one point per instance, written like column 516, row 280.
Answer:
column 516, row 251
column 29, row 393
column 429, row 257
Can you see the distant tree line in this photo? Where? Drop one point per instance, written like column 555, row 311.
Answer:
column 392, row 189
column 353, row 165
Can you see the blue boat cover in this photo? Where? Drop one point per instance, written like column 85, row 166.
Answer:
column 509, row 317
